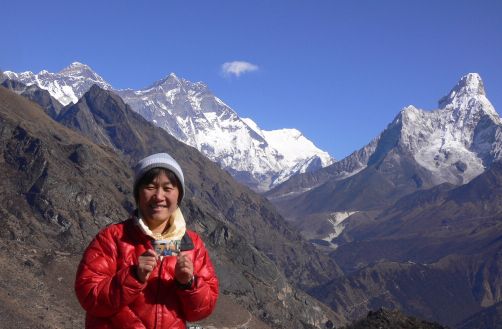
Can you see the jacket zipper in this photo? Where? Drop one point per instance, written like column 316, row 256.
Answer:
column 159, row 280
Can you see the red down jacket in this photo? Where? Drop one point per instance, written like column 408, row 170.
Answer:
column 107, row 288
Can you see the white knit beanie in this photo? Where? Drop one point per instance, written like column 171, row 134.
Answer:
column 159, row 160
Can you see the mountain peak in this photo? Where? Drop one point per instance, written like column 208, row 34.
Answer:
column 77, row 64
column 96, row 91
column 469, row 85
column 172, row 81
column 76, row 67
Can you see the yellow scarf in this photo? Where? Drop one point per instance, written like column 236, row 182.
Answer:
column 176, row 227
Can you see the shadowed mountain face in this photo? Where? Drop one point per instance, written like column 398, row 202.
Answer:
column 488, row 318
column 428, row 225
column 390, row 319
column 49, row 210
column 40, row 96
column 436, row 254
column 60, row 186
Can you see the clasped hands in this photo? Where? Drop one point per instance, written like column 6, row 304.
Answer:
column 183, row 271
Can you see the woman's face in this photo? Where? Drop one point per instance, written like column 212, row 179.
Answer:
column 158, row 200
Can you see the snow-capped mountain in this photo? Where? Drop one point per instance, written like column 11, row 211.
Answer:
column 453, row 143
column 67, row 86
column 204, row 121
column 418, row 150
column 458, row 141
column 192, row 114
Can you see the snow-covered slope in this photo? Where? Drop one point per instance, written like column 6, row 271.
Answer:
column 297, row 152
column 192, row 114
column 455, row 142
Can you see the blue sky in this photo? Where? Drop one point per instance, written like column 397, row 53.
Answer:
column 339, row 71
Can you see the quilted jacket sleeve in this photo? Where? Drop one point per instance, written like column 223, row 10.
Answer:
column 101, row 289
column 200, row 301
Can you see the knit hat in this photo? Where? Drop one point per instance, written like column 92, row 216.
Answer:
column 159, row 160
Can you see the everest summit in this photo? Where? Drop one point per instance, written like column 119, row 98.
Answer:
column 193, row 115
column 66, row 86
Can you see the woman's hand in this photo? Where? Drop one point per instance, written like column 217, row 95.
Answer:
column 183, row 272
column 146, row 263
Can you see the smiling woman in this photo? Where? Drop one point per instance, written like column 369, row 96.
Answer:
column 158, row 190
column 158, row 197
column 148, row 271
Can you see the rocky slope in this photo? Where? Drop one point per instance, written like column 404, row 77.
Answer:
column 40, row 96
column 49, row 210
column 435, row 254
column 59, row 188
column 487, row 318
column 392, row 319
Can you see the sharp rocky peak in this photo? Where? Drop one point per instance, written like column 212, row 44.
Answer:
column 97, row 91
column 458, row 100
column 470, row 85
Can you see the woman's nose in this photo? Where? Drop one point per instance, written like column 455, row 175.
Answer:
column 158, row 194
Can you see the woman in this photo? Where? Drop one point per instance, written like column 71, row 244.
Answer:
column 148, row 271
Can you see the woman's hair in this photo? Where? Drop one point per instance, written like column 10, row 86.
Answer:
column 150, row 176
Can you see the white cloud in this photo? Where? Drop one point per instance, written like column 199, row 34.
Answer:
column 237, row 68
